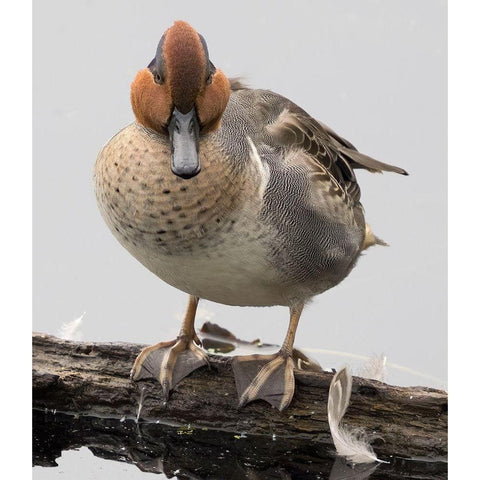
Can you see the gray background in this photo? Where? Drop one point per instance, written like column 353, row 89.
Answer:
column 375, row 71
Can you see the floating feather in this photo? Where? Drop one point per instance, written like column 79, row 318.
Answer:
column 72, row 330
column 375, row 368
column 350, row 444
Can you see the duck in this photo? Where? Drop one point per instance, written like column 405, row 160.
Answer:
column 233, row 195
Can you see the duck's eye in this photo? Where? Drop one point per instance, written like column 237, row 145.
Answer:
column 211, row 72
column 158, row 78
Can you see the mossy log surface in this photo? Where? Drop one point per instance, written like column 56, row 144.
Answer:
column 87, row 378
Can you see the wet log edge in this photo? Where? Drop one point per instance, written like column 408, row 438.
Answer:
column 90, row 378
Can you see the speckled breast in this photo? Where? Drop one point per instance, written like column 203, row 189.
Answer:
column 201, row 235
column 143, row 201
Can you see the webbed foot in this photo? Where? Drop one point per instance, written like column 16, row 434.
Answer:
column 169, row 362
column 266, row 377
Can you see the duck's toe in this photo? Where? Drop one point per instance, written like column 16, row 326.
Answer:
column 266, row 377
column 169, row 362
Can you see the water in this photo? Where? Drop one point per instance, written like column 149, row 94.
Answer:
column 89, row 447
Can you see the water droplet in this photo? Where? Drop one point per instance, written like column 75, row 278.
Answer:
column 140, row 403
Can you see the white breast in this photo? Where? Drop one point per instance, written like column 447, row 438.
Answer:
column 236, row 271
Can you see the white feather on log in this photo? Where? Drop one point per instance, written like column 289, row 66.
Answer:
column 72, row 330
column 351, row 444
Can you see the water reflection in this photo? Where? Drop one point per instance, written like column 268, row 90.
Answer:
column 187, row 453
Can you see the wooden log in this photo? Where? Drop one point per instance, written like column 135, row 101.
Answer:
column 93, row 379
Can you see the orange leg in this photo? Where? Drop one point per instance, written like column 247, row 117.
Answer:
column 170, row 362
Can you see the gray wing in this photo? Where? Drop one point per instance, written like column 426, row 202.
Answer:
column 289, row 126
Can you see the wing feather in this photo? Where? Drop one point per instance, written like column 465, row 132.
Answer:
column 294, row 128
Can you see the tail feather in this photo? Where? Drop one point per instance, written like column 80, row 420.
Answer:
column 360, row 160
column 357, row 159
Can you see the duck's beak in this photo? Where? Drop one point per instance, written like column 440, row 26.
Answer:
column 183, row 130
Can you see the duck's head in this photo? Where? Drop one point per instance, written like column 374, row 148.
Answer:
column 181, row 95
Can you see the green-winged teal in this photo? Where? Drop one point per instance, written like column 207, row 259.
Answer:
column 233, row 195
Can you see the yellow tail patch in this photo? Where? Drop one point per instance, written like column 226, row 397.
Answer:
column 370, row 239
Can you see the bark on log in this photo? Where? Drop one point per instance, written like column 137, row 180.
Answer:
column 93, row 379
